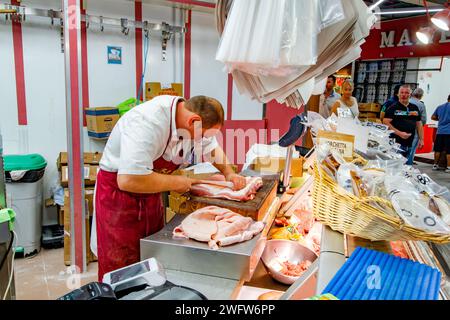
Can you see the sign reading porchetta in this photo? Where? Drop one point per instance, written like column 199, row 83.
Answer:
column 397, row 39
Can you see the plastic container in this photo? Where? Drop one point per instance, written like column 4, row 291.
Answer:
column 34, row 164
column 25, row 197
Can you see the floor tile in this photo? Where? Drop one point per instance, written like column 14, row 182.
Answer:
column 45, row 276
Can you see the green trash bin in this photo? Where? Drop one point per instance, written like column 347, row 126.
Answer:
column 24, row 194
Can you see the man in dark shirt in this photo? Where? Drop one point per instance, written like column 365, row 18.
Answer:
column 404, row 119
column 391, row 101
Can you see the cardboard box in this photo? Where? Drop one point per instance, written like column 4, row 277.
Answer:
column 88, row 195
column 90, row 257
column 154, row 89
column 369, row 107
column 89, row 174
column 88, row 158
column 276, row 165
column 101, row 121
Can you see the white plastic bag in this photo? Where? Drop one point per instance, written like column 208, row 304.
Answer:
column 331, row 12
column 406, row 202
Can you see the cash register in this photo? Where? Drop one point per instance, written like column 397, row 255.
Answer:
column 145, row 280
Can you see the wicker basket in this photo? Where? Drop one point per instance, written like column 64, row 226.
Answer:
column 348, row 214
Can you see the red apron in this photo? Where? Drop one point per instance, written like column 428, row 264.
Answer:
column 124, row 218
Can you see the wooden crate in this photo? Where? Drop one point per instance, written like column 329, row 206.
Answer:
column 256, row 208
column 369, row 107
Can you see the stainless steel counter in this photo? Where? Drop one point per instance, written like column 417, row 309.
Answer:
column 331, row 258
column 230, row 262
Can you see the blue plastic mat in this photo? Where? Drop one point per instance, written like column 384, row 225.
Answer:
column 373, row 275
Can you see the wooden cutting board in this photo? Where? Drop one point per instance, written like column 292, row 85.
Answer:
column 255, row 208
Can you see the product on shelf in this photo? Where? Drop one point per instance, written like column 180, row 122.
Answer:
column 384, row 77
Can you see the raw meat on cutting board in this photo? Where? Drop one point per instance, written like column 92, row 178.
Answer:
column 217, row 227
column 217, row 187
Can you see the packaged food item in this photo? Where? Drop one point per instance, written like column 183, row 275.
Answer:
column 359, row 187
column 406, row 202
column 441, row 208
column 344, row 177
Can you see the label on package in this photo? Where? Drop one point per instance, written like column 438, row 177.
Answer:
column 342, row 143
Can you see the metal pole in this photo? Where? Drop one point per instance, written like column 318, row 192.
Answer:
column 287, row 167
column 74, row 112
column 2, row 177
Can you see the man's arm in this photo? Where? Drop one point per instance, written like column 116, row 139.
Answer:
column 383, row 111
column 435, row 116
column 420, row 132
column 423, row 113
column 153, row 183
column 221, row 162
column 401, row 134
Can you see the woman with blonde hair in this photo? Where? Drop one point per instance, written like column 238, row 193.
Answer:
column 347, row 105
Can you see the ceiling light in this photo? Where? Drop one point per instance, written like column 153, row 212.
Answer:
column 425, row 35
column 372, row 7
column 442, row 19
column 407, row 11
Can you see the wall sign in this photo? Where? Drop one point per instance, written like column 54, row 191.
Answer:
column 114, row 55
column 397, row 39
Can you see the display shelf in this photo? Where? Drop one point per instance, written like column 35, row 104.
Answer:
column 375, row 80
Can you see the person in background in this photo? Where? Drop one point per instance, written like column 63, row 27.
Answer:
column 346, row 106
column 416, row 98
column 328, row 98
column 404, row 119
column 392, row 100
column 442, row 143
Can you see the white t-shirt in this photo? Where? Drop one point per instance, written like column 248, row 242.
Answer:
column 348, row 111
column 141, row 135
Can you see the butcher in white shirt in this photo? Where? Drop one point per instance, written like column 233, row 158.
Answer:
column 147, row 144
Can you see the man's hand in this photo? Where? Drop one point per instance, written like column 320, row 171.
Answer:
column 239, row 182
column 404, row 135
column 183, row 184
column 420, row 144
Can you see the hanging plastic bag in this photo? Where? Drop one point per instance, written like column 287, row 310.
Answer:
column 424, row 183
column 331, row 12
column 406, row 202
column 316, row 122
column 344, row 177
